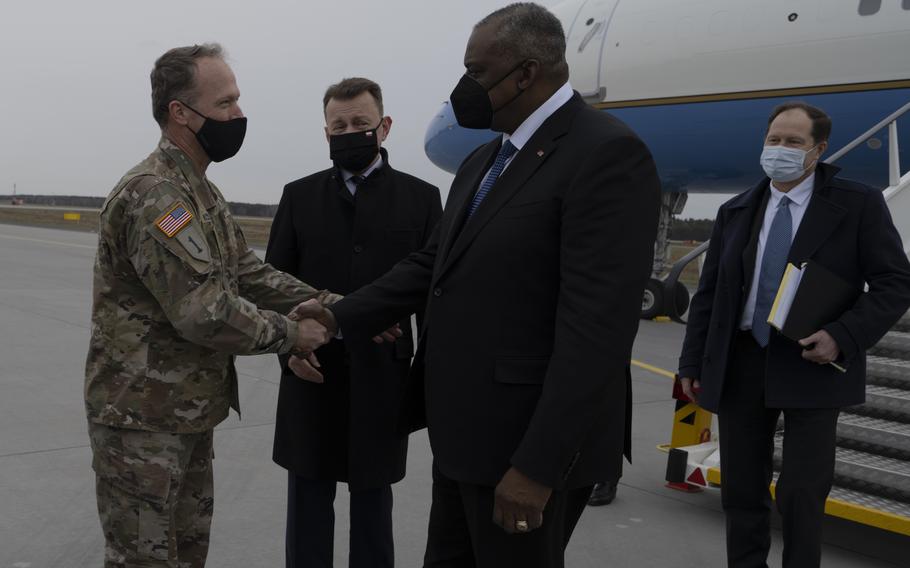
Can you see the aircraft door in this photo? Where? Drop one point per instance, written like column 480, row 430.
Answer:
column 584, row 47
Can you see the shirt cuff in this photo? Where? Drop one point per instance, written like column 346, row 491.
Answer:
column 330, row 299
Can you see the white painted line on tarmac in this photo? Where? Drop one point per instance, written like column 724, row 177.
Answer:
column 46, row 242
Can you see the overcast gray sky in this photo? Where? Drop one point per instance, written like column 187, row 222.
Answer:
column 76, row 96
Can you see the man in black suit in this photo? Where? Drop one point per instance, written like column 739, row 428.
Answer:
column 344, row 227
column 735, row 365
column 532, row 285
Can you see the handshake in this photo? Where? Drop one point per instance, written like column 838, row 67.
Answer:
column 316, row 326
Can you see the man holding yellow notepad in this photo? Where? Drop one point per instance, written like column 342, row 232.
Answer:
column 810, row 297
column 735, row 364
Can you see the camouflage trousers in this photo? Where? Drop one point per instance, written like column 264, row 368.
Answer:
column 154, row 496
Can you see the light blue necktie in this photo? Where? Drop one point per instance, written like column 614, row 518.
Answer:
column 773, row 264
column 507, row 151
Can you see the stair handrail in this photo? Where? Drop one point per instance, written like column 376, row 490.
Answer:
column 671, row 308
column 894, row 168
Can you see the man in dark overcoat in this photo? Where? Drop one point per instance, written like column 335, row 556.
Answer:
column 344, row 227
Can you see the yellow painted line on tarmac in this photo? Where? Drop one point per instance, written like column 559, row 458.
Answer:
column 653, row 369
column 46, row 242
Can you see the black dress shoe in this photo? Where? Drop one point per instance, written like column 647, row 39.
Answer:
column 603, row 494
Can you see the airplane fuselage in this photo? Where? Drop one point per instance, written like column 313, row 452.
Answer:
column 696, row 79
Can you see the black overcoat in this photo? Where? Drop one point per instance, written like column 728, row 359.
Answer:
column 345, row 428
column 847, row 228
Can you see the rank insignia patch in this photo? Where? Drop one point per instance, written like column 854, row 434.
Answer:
column 174, row 220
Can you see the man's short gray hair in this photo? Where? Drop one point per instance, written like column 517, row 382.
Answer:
column 174, row 77
column 525, row 30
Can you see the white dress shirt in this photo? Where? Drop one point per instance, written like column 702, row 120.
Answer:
column 527, row 128
column 799, row 200
column 347, row 176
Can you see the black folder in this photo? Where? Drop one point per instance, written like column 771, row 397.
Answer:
column 821, row 298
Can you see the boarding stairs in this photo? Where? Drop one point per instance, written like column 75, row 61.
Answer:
column 872, row 468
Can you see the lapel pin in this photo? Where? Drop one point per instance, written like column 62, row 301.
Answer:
column 540, row 153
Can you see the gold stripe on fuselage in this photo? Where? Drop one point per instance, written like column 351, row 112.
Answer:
column 770, row 93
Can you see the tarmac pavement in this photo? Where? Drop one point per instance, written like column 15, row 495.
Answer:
column 47, row 500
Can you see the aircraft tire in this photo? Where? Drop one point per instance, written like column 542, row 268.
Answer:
column 682, row 298
column 653, row 299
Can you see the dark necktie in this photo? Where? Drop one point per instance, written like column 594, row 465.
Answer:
column 507, row 151
column 357, row 181
column 773, row 264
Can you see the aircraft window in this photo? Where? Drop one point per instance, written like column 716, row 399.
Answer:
column 870, row 7
column 906, row 4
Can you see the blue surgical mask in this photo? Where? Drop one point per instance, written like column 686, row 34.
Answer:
column 784, row 164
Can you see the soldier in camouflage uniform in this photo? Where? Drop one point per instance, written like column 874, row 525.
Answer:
column 177, row 294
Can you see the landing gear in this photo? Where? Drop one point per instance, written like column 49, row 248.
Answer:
column 675, row 289
column 652, row 302
column 663, row 297
column 678, row 302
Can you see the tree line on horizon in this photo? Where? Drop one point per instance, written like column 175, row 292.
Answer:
column 681, row 229
column 81, row 201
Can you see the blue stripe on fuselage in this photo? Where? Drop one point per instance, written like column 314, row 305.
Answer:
column 714, row 147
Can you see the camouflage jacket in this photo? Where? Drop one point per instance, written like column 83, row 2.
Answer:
column 177, row 294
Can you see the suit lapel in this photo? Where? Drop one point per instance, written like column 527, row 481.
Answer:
column 821, row 218
column 341, row 188
column 757, row 218
column 527, row 161
column 738, row 214
column 462, row 194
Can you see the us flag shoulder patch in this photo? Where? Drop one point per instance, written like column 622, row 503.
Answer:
column 177, row 218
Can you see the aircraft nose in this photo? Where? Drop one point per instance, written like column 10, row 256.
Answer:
column 446, row 144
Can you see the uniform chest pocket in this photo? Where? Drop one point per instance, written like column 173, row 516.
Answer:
column 219, row 226
column 222, row 227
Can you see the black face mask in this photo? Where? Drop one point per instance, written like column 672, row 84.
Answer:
column 354, row 151
column 471, row 101
column 220, row 139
